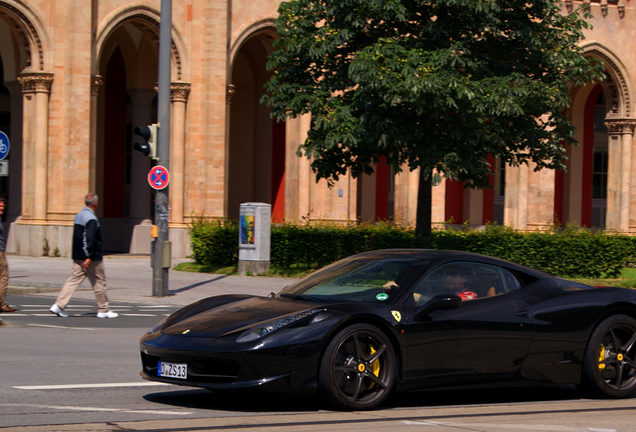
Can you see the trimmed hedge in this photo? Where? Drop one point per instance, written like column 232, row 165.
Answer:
column 214, row 242
column 571, row 252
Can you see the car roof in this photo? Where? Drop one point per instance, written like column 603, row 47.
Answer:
column 440, row 256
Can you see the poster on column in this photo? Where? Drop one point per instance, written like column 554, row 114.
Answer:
column 246, row 225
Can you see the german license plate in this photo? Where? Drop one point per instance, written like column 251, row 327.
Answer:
column 172, row 370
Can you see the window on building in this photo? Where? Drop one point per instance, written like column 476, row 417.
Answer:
column 599, row 174
column 600, row 111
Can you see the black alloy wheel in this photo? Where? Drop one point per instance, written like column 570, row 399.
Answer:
column 609, row 366
column 358, row 368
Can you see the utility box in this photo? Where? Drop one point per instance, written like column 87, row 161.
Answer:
column 254, row 238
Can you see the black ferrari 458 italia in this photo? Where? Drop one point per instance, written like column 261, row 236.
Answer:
column 402, row 320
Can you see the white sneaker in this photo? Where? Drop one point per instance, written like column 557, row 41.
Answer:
column 58, row 311
column 107, row 314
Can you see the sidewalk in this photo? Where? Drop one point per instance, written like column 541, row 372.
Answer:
column 129, row 279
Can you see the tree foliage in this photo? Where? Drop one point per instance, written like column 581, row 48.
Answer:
column 432, row 84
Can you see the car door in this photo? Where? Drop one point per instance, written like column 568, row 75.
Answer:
column 481, row 339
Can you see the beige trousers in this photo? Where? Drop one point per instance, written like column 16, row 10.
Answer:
column 4, row 279
column 97, row 278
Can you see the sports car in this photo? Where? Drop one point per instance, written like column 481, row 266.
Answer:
column 400, row 320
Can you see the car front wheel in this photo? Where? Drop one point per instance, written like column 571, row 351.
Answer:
column 358, row 368
column 609, row 366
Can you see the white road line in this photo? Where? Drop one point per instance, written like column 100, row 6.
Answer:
column 516, row 427
column 103, row 385
column 61, row 327
column 138, row 315
column 97, row 409
column 154, row 307
column 28, row 305
column 15, row 314
column 33, row 310
column 50, row 315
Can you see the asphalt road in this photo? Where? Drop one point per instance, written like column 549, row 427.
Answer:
column 82, row 374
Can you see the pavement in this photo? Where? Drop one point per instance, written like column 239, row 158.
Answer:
column 129, row 279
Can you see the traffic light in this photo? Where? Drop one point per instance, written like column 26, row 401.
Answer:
column 149, row 134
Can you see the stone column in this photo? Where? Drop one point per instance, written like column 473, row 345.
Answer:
column 516, row 197
column 620, row 136
column 36, row 89
column 179, row 98
column 96, row 83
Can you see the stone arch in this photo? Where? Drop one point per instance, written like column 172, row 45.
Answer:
column 261, row 27
column 618, row 85
column 33, row 42
column 146, row 20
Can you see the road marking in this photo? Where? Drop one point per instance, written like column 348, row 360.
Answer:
column 50, row 315
column 13, row 314
column 155, row 307
column 138, row 315
column 78, row 386
column 507, row 426
column 97, row 409
column 61, row 327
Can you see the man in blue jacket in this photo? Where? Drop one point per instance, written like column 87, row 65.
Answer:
column 87, row 261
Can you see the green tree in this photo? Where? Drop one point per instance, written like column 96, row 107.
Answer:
column 438, row 85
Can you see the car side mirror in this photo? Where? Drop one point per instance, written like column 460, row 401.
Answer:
column 440, row 301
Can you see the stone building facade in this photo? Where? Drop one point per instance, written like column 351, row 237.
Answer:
column 76, row 77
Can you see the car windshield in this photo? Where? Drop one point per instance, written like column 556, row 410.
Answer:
column 360, row 279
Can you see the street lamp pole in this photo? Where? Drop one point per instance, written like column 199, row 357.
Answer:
column 161, row 248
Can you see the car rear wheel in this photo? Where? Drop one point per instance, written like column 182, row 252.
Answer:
column 609, row 366
column 358, row 368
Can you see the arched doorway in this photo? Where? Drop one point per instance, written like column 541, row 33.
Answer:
column 256, row 153
column 14, row 59
column 129, row 68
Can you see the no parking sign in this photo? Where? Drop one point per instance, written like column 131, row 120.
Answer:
column 158, row 177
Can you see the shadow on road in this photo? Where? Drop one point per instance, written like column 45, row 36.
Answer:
column 260, row 402
column 235, row 401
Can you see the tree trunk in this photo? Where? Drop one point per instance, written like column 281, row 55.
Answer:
column 424, row 203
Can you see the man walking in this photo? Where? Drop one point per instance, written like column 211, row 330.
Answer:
column 4, row 267
column 87, row 261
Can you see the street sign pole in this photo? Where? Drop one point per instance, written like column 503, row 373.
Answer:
column 161, row 246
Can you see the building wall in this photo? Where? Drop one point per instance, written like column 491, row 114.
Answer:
column 56, row 57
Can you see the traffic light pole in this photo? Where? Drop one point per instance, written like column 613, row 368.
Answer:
column 161, row 249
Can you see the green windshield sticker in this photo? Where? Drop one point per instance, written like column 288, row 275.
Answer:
column 382, row 296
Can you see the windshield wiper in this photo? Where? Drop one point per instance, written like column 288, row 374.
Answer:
column 302, row 297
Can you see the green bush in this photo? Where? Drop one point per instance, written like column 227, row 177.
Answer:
column 214, row 242
column 571, row 252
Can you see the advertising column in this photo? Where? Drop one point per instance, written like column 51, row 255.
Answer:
column 254, row 238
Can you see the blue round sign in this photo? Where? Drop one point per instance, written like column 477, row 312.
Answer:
column 158, row 177
column 4, row 145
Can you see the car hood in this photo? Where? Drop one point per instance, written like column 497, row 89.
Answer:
column 235, row 316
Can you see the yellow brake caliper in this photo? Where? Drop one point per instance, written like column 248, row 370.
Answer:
column 375, row 366
column 601, row 357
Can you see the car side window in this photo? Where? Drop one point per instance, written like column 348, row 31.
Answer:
column 451, row 278
column 468, row 280
column 511, row 280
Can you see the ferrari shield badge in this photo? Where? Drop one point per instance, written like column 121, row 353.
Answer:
column 397, row 316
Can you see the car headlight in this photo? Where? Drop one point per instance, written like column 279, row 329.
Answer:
column 265, row 329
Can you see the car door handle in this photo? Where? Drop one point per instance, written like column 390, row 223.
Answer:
column 524, row 313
